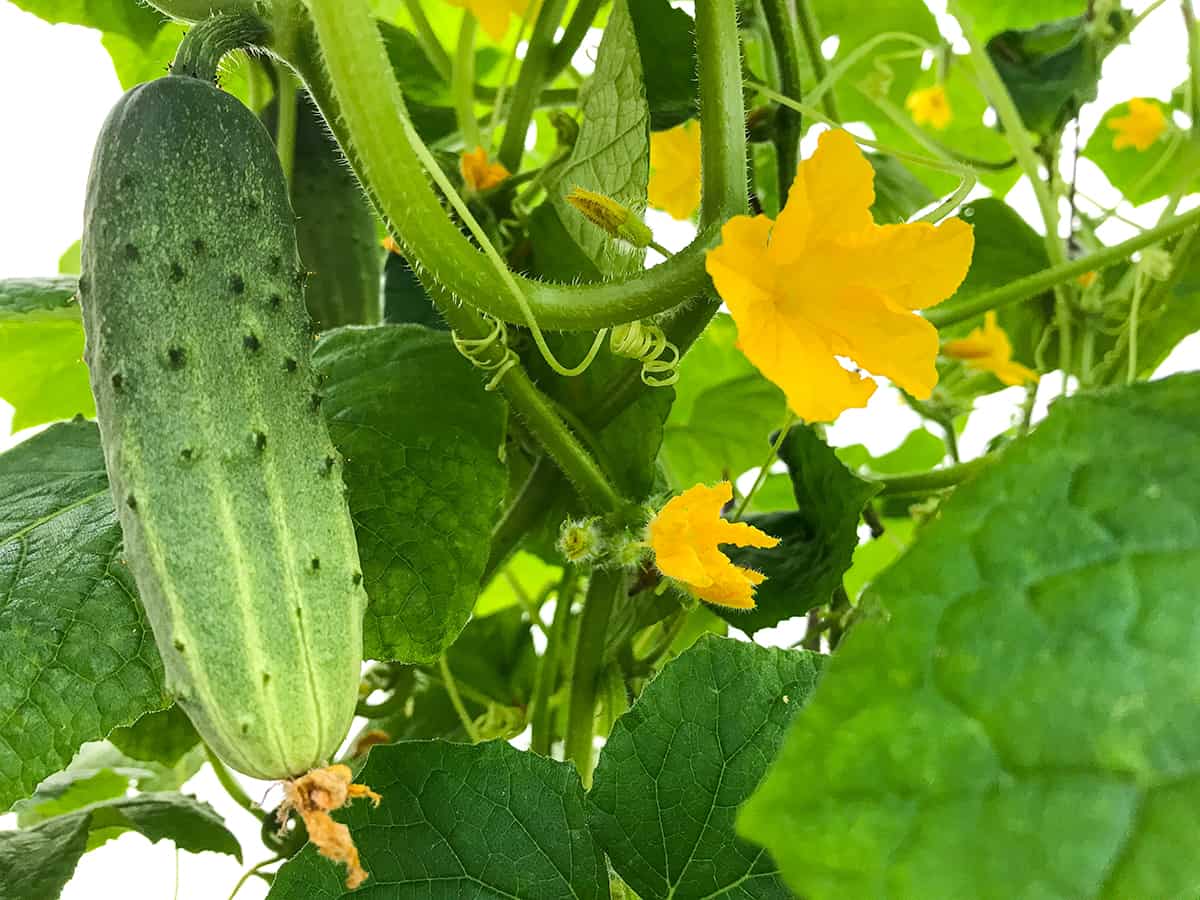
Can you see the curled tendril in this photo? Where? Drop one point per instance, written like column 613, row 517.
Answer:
column 649, row 346
column 476, row 350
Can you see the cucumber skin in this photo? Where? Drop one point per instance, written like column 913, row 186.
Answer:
column 335, row 227
column 227, row 484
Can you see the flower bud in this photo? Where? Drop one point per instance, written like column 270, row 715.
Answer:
column 610, row 215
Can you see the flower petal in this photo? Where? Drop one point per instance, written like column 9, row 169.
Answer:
column 916, row 265
column 675, row 170
column 838, row 187
column 789, row 352
column 883, row 338
column 740, row 267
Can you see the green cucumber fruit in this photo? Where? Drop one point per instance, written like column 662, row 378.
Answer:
column 229, row 489
column 335, row 226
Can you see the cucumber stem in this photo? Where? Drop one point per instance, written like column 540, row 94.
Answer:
column 205, row 45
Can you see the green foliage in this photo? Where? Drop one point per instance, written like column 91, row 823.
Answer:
column 611, row 153
column 457, row 821
column 1144, row 175
column 668, row 54
column 679, row 763
column 1023, row 682
column 37, row 862
column 421, row 440
column 993, row 16
column 137, row 22
column 42, row 373
column 79, row 657
column 1050, row 71
column 162, row 737
column 817, row 538
column 724, row 411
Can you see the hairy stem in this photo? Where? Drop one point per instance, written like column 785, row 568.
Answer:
column 930, row 482
column 206, row 43
column 434, row 51
column 1032, row 285
column 785, row 39
column 603, row 589
column 551, row 664
column 530, row 81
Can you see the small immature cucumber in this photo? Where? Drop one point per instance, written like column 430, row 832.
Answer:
column 335, row 226
column 228, row 486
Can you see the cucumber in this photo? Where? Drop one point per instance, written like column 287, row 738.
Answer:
column 228, row 487
column 335, row 226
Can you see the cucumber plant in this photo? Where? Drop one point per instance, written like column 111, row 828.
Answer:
column 568, row 579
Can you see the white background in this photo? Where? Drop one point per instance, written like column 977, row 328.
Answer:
column 57, row 85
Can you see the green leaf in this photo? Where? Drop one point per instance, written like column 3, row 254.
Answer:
column 1050, row 71
column 162, row 737
column 873, row 556
column 1019, row 717
column 55, row 796
column 421, row 440
column 667, row 50
column 42, row 373
column 30, row 299
column 462, row 821
column 993, row 16
column 612, row 153
column 920, row 451
column 817, row 541
column 35, row 864
column 723, row 412
column 70, row 263
column 677, row 766
column 1144, row 175
column 136, row 63
column 135, row 21
column 1167, row 324
column 856, row 23
column 528, row 572
column 78, row 656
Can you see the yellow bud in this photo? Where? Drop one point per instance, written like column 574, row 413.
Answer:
column 580, row 540
column 610, row 215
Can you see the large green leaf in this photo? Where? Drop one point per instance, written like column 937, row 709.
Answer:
column 462, row 821
column 1020, row 717
column 36, row 863
column 42, row 373
column 856, row 23
column 421, row 439
column 688, row 753
column 817, row 540
column 611, row 155
column 993, row 16
column 162, row 737
column 1169, row 164
column 76, row 656
column 1050, row 71
column 724, row 412
column 667, row 50
column 38, row 298
column 135, row 21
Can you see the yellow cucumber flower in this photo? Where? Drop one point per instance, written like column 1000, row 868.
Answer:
column 478, row 173
column 686, row 536
column 675, row 170
column 930, row 106
column 988, row 348
column 825, row 281
column 1141, row 127
column 493, row 14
